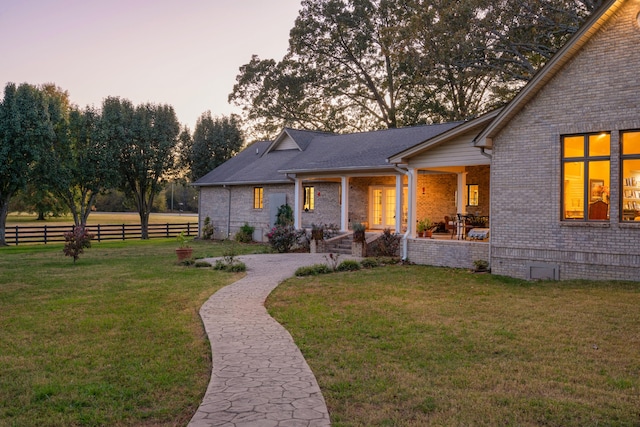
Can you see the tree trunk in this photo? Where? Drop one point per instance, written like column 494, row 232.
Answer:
column 4, row 211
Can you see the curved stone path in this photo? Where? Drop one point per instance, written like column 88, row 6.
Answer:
column 259, row 376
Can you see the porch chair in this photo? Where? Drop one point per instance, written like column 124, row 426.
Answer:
column 450, row 224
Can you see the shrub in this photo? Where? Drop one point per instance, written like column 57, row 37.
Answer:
column 284, row 216
column 207, row 229
column 387, row 245
column 201, row 264
column 348, row 265
column 388, row 260
column 76, row 241
column 284, row 237
column 313, row 270
column 245, row 234
column 231, row 267
column 369, row 263
column 358, row 232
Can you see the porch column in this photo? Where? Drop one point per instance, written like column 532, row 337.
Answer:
column 297, row 210
column 399, row 203
column 412, row 204
column 344, row 208
column 462, row 189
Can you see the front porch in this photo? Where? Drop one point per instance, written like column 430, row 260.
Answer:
column 440, row 250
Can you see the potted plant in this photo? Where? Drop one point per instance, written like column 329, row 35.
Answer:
column 424, row 228
column 184, row 251
column 358, row 232
column 317, row 232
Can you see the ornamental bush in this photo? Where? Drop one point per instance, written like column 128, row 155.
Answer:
column 245, row 234
column 283, row 238
column 348, row 265
column 76, row 241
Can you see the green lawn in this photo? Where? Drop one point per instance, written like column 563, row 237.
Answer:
column 416, row 346
column 115, row 339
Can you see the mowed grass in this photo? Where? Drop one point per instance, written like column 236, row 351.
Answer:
column 417, row 346
column 25, row 219
column 115, row 339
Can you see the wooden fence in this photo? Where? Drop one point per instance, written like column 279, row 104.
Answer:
column 20, row 234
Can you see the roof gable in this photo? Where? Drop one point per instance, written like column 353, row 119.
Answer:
column 597, row 20
column 292, row 139
column 470, row 126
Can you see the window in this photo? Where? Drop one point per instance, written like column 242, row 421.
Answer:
column 309, row 199
column 257, row 197
column 586, row 169
column 630, row 157
column 472, row 194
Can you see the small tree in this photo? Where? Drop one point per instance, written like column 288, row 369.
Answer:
column 284, row 216
column 76, row 241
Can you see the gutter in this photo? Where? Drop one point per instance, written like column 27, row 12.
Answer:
column 484, row 153
column 229, row 213
column 405, row 237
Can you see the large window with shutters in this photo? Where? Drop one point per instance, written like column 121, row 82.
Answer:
column 586, row 172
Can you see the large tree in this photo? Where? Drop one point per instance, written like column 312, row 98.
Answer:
column 368, row 64
column 146, row 138
column 215, row 140
column 77, row 165
column 25, row 133
column 87, row 167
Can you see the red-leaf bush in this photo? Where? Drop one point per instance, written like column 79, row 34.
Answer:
column 76, row 241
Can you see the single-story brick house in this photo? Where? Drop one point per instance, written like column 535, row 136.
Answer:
column 557, row 170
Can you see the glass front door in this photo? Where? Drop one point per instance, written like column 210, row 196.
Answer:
column 383, row 207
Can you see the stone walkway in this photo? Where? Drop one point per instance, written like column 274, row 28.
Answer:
column 259, row 376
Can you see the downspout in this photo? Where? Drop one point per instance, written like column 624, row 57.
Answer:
column 229, row 213
column 405, row 237
column 484, row 153
column 490, row 156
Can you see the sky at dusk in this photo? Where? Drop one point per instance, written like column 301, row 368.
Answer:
column 185, row 53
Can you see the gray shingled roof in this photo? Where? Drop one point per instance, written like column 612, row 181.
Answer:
column 247, row 167
column 322, row 152
column 361, row 150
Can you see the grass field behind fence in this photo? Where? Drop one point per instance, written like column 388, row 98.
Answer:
column 15, row 218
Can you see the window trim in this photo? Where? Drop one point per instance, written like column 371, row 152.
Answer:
column 586, row 159
column 258, row 197
column 477, row 200
column 312, row 205
column 624, row 157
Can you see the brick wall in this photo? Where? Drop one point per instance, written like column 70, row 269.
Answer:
column 446, row 253
column 214, row 203
column 598, row 90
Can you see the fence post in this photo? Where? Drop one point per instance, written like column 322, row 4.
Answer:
column 167, row 229
column 17, row 233
column 188, row 229
column 45, row 234
column 98, row 233
column 123, row 232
